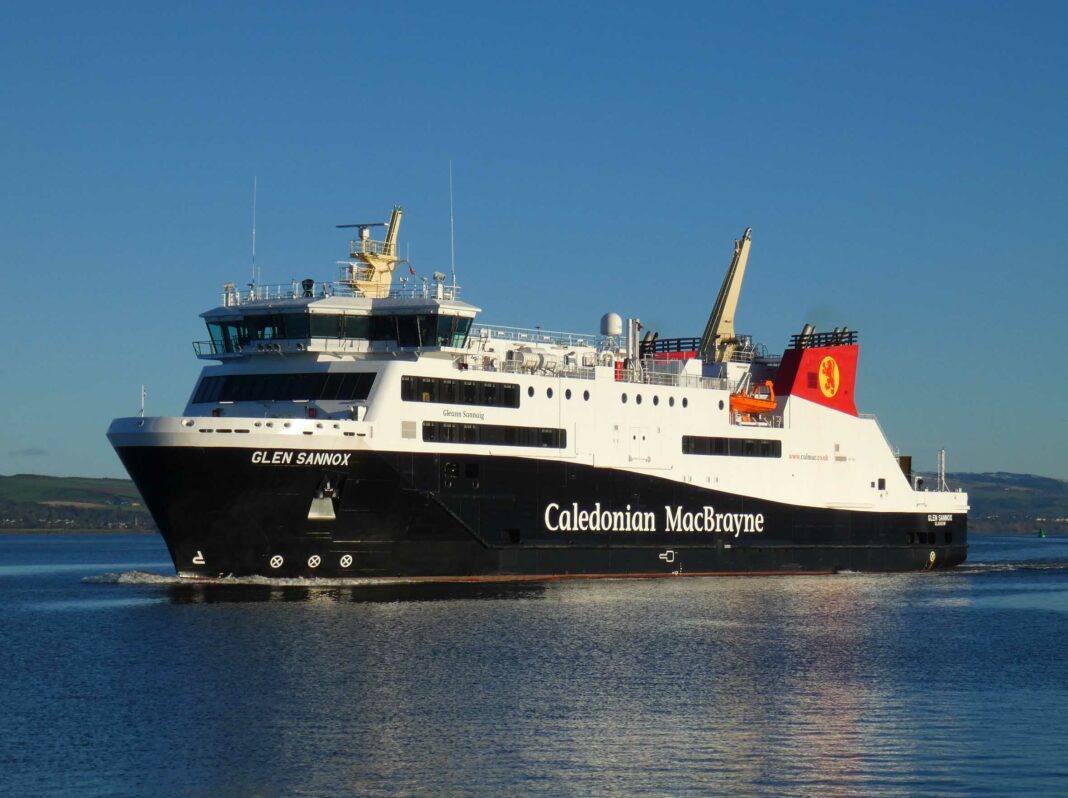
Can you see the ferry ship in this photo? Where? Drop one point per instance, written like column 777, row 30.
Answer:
column 371, row 428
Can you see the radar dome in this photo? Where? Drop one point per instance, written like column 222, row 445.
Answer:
column 611, row 324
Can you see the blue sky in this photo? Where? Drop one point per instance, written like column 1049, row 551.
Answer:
column 903, row 168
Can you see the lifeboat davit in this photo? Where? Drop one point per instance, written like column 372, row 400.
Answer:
column 759, row 399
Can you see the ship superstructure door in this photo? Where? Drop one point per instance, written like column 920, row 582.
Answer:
column 639, row 446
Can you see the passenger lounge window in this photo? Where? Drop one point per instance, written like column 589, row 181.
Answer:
column 461, row 392
column 731, row 447
column 494, row 435
column 340, row 386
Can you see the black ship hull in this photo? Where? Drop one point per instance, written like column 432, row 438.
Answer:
column 361, row 514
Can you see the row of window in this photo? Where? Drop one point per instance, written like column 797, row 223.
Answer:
column 429, row 329
column 348, row 387
column 731, row 447
column 459, row 392
column 656, row 400
column 491, row 394
column 494, row 435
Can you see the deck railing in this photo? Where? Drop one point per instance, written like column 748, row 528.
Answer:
column 475, row 362
column 534, row 336
column 409, row 288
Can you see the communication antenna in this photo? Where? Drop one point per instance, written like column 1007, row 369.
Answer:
column 142, row 400
column 254, row 281
column 452, row 232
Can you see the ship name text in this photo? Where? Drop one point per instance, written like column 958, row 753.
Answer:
column 290, row 457
column 676, row 519
column 464, row 414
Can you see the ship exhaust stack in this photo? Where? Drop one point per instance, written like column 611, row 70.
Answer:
column 719, row 341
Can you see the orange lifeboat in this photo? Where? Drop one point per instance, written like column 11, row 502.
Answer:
column 759, row 399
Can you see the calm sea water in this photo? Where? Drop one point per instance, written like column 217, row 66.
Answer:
column 876, row 685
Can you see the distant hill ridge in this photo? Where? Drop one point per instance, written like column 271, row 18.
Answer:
column 37, row 502
column 1000, row 502
column 1005, row 502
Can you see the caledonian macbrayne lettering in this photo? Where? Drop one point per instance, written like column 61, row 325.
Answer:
column 676, row 519
column 289, row 457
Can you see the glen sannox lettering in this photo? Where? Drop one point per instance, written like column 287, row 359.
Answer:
column 289, row 457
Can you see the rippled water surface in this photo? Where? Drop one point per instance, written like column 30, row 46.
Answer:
column 116, row 680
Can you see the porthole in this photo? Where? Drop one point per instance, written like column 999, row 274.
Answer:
column 624, row 398
column 656, row 401
column 685, row 402
column 586, row 396
column 567, row 394
column 549, row 392
column 530, row 391
column 638, row 398
column 671, row 401
column 720, row 404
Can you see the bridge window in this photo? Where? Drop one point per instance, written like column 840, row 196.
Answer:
column 426, row 330
column 432, row 330
column 383, row 328
column 227, row 336
column 322, row 326
column 452, row 330
column 357, row 327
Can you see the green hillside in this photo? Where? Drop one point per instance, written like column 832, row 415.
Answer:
column 36, row 488
column 1004, row 502
column 31, row 501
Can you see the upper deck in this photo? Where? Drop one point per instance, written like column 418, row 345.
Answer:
column 366, row 315
column 419, row 319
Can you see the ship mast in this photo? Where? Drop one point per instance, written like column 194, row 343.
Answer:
column 374, row 277
column 718, row 342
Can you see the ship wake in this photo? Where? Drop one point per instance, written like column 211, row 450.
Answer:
column 148, row 578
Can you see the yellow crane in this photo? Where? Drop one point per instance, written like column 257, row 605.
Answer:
column 719, row 341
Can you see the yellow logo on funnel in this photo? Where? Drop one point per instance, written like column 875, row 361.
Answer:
column 829, row 377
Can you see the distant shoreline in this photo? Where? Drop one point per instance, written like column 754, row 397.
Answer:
column 78, row 532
